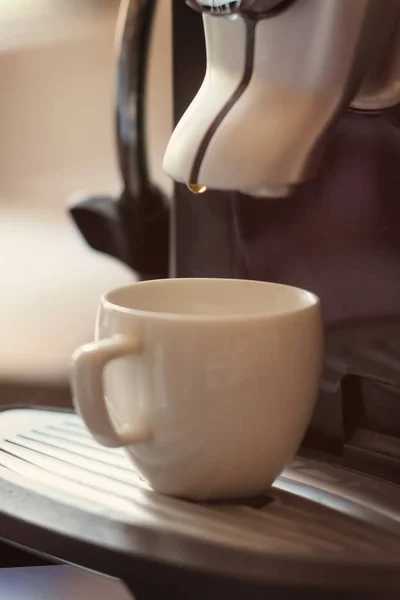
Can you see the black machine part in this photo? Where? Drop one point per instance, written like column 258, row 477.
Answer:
column 356, row 422
column 134, row 227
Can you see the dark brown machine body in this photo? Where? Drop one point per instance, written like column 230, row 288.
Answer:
column 337, row 236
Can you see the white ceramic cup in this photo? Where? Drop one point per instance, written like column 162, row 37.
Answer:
column 208, row 383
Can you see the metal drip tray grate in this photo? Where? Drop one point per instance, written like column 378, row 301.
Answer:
column 314, row 512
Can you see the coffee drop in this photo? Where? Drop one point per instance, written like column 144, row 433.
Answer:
column 197, row 188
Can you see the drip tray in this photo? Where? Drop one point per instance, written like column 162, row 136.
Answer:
column 65, row 496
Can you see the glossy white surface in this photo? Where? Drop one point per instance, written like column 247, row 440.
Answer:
column 224, row 39
column 305, row 64
column 225, row 381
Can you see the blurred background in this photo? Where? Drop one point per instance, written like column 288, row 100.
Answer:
column 57, row 72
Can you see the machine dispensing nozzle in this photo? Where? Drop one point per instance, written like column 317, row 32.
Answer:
column 278, row 76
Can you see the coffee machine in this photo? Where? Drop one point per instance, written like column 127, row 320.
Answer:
column 287, row 120
column 286, row 162
column 286, row 157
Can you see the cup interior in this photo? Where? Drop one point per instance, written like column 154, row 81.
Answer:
column 210, row 298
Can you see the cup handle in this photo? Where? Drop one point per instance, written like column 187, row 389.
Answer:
column 87, row 387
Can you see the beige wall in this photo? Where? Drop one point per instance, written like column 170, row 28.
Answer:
column 56, row 137
column 56, row 105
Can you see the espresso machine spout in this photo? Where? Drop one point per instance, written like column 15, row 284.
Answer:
column 279, row 74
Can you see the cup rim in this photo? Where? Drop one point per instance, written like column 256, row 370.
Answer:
column 107, row 302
